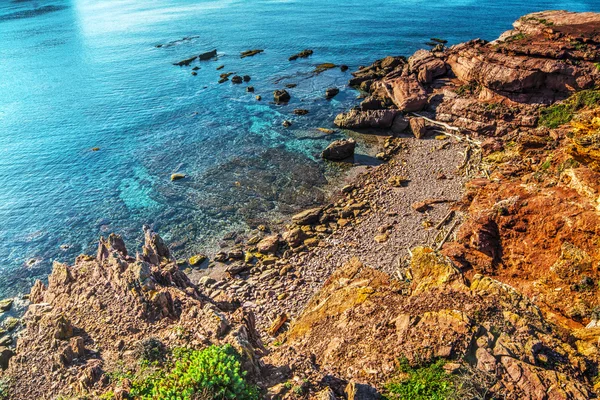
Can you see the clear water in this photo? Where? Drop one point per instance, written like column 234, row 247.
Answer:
column 78, row 74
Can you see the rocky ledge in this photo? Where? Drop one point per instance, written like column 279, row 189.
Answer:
column 466, row 266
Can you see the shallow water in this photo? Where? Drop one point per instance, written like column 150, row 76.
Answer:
column 81, row 74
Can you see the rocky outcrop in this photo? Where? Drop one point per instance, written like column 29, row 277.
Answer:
column 94, row 315
column 356, row 119
column 485, row 325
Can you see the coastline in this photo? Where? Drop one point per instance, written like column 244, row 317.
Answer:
column 455, row 248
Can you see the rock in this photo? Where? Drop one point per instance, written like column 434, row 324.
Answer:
column 287, row 123
column 307, row 217
column 291, row 85
column 250, row 53
column 247, row 78
column 95, row 148
column 295, row 237
column 418, row 127
column 281, row 96
column 258, row 98
column 426, row 66
column 250, row 89
column 331, row 93
column 186, row 62
column 400, row 124
column 356, row 119
column 406, row 92
column 5, row 341
column 63, row 329
column 339, row 150
column 344, row 68
column 77, row 346
column 5, row 355
column 431, row 269
column 326, row 130
column 372, row 103
column 197, row 259
column 208, row 55
column 324, row 67
column 6, row 304
column 194, row 73
column 206, row 281
column 177, row 176
column 236, row 79
column 303, row 54
column 269, row 244
column 359, row 391
column 420, row 206
column 220, row 67
column 300, row 111
column 384, row 237
column 36, row 295
column 397, row 181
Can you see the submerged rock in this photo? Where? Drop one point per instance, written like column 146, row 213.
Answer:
column 300, row 111
column 236, row 79
column 177, row 176
column 250, row 53
column 339, row 150
column 303, row 54
column 186, row 62
column 281, row 96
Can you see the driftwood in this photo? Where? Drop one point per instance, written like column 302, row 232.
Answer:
column 445, row 219
column 447, row 236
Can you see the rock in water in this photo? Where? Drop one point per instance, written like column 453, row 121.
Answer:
column 281, row 96
column 331, row 93
column 177, row 176
column 339, row 150
column 5, row 355
column 250, row 53
column 300, row 111
column 236, row 79
column 303, row 54
column 6, row 304
column 208, row 55
column 186, row 62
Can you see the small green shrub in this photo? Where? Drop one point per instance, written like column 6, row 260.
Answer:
column 514, row 38
column 430, row 382
column 560, row 114
column 212, row 373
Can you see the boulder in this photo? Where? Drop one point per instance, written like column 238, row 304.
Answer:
column 339, row 150
column 269, row 244
column 357, row 119
column 6, row 304
column 295, row 237
column 307, row 217
column 418, row 127
column 359, row 391
column 426, row 66
column 281, row 96
column 400, row 123
column 331, row 93
column 406, row 92
column 247, row 78
column 250, row 89
column 236, row 79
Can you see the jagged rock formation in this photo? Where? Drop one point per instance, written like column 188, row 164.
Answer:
column 363, row 321
column 96, row 316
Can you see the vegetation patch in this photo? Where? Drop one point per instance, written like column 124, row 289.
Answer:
column 429, row 382
column 212, row 373
column 560, row 114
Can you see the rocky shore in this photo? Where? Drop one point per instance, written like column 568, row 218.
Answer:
column 472, row 248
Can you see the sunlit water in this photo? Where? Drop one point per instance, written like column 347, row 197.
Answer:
column 80, row 74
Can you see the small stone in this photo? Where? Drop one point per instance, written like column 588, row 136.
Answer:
column 281, row 96
column 397, row 181
column 197, row 259
column 246, row 78
column 250, row 89
column 258, row 98
column 300, row 111
column 206, row 281
column 236, row 79
column 287, row 123
column 282, row 296
column 95, row 148
column 418, row 127
column 382, row 238
column 343, row 68
column 194, row 73
column 220, row 67
column 269, row 244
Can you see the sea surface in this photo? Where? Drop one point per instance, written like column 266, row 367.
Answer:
column 82, row 74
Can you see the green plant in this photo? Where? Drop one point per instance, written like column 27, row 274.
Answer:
column 212, row 373
column 514, row 38
column 562, row 113
column 429, row 382
column 468, row 88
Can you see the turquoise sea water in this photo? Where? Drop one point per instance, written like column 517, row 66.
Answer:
column 78, row 74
